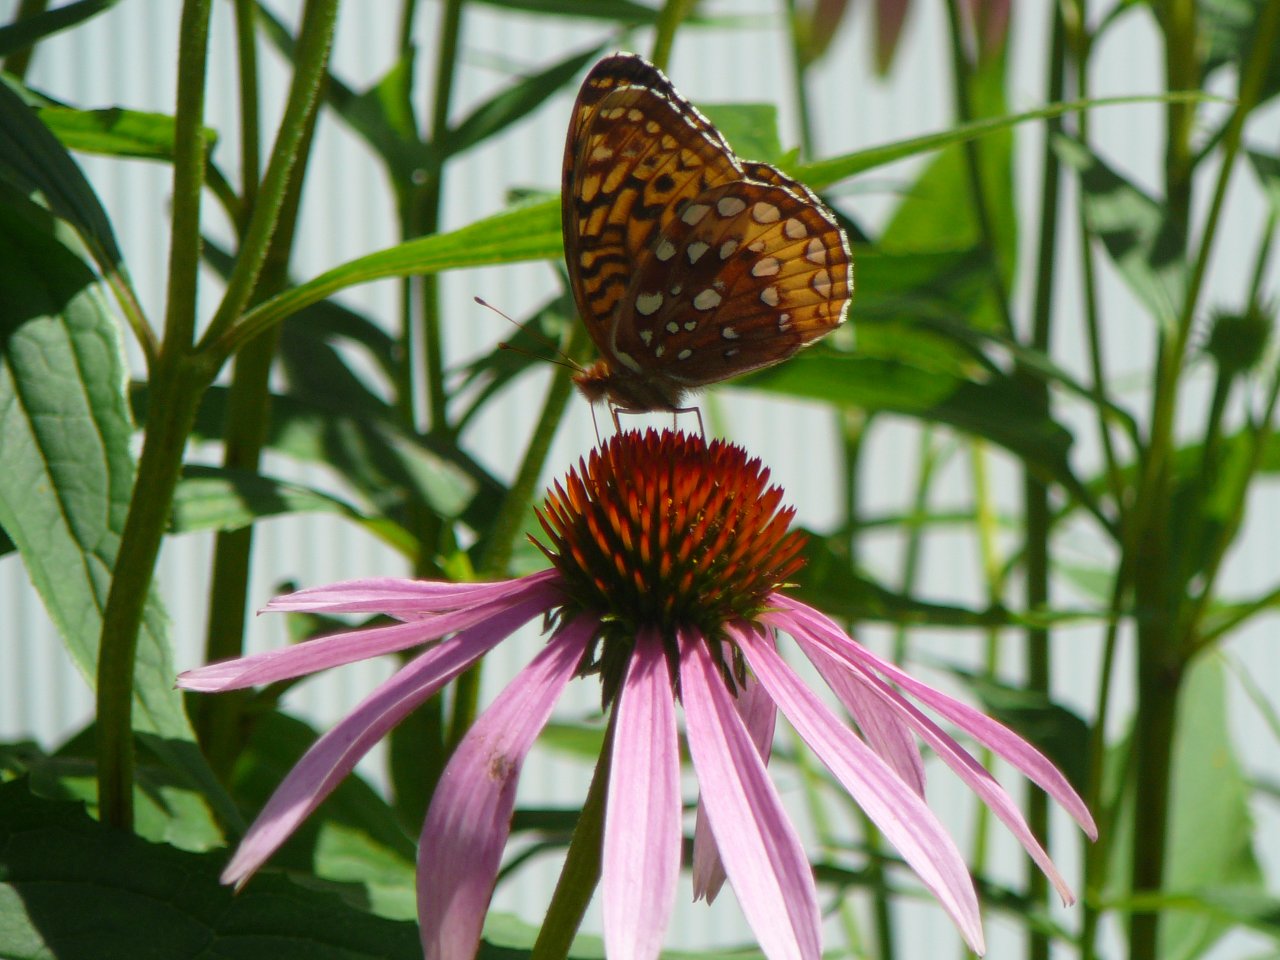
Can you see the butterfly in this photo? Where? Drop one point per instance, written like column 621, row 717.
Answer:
column 688, row 265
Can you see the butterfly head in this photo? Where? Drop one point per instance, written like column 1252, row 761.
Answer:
column 601, row 383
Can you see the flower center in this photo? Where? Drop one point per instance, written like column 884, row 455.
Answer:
column 663, row 530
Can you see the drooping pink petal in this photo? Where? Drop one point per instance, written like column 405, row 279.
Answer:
column 975, row 776
column 792, row 616
column 641, row 856
column 470, row 815
column 338, row 649
column 400, row 597
column 337, row 752
column 887, row 735
column 892, row 805
column 760, row 716
column 759, row 845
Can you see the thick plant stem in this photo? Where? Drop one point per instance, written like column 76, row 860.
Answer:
column 1159, row 684
column 581, row 871
column 1035, row 492
column 176, row 389
column 248, row 422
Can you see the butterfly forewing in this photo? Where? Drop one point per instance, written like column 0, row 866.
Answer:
column 687, row 265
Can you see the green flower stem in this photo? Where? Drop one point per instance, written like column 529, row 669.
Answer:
column 1097, row 856
column 1035, row 492
column 176, row 382
column 581, row 871
column 250, row 139
column 1167, row 630
column 799, row 70
column 219, row 719
column 311, row 56
column 421, row 295
column 669, row 19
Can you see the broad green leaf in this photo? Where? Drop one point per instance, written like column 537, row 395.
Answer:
column 353, row 837
column 216, row 498
column 76, row 890
column 994, row 407
column 828, row 582
column 389, row 466
column 165, row 809
column 1228, row 28
column 751, row 129
column 23, row 33
column 530, row 231
column 1135, row 229
column 68, row 472
column 32, row 161
column 384, row 116
column 514, row 103
column 1210, row 845
column 1267, row 167
column 116, row 132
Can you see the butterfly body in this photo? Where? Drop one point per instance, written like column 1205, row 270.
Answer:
column 688, row 266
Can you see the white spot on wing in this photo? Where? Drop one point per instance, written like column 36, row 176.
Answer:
column 729, row 333
column 769, row 296
column 706, row 300
column 765, row 212
column 766, row 267
column 647, row 304
column 694, row 213
column 665, row 249
column 816, row 251
column 727, row 248
column 730, row 206
column 821, row 283
column 696, row 250
column 684, row 354
column 794, row 229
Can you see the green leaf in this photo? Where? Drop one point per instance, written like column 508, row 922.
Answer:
column 76, row 890
column 823, row 173
column 166, row 810
column 68, row 472
column 353, row 838
column 1228, row 28
column 614, row 11
column 32, row 161
column 217, row 498
column 1267, row 167
column 1210, row 845
column 384, row 116
column 23, row 33
column 514, row 103
column 750, row 128
column 932, row 391
column 1060, row 734
column 530, row 231
column 829, row 583
column 1135, row 229
column 116, row 132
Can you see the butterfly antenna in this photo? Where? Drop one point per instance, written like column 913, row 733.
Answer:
column 564, row 361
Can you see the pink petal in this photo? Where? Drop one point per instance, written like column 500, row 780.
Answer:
column 470, row 815
column 760, row 716
column 895, row 808
column 641, row 855
column 760, row 847
column 796, row 616
column 338, row 649
column 887, row 735
column 400, row 597
column 977, row 777
column 334, row 755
